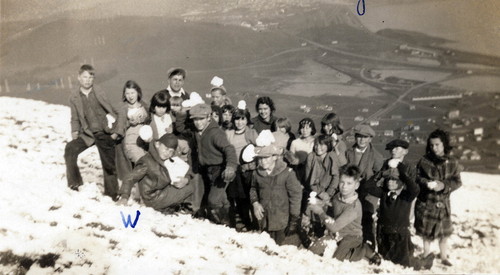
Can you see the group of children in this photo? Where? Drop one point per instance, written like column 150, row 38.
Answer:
column 215, row 161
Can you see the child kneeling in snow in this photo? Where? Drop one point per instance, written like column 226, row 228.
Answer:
column 165, row 180
column 344, row 219
column 393, row 234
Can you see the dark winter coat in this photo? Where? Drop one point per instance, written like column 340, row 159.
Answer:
column 155, row 183
column 280, row 193
column 259, row 124
column 370, row 163
column 322, row 175
column 214, row 148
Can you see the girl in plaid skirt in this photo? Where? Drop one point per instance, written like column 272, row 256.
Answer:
column 438, row 174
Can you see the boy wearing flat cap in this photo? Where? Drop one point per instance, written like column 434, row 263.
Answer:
column 159, row 188
column 176, row 77
column 216, row 159
column 275, row 192
column 397, row 193
column 369, row 161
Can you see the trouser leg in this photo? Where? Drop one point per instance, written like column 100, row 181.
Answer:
column 106, row 147
column 71, row 152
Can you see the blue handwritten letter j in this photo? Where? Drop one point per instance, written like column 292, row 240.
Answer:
column 128, row 222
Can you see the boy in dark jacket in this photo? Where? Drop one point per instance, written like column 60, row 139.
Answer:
column 215, row 156
column 157, row 187
column 275, row 194
column 396, row 197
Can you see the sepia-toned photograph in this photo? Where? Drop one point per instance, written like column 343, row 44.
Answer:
column 249, row 137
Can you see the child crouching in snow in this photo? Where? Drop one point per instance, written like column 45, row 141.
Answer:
column 275, row 192
column 396, row 197
column 165, row 181
column 343, row 219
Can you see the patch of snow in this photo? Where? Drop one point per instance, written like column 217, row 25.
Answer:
column 40, row 215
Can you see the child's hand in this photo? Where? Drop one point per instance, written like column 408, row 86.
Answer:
column 305, row 222
column 324, row 196
column 180, row 183
column 316, row 208
column 431, row 185
column 439, row 186
column 258, row 210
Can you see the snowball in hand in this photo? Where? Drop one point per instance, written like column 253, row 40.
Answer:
column 248, row 154
column 242, row 105
column 265, row 138
column 217, row 81
column 146, row 133
column 194, row 99
column 312, row 198
column 432, row 184
column 111, row 120
column 393, row 163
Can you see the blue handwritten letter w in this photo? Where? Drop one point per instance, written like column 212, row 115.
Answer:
column 128, row 222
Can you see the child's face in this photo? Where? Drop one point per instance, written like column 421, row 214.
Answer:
column 437, row 146
column 163, row 151
column 267, row 162
column 306, row 131
column 131, row 95
column 217, row 97
column 160, row 111
column 227, row 116
column 320, row 149
column 392, row 184
column 348, row 186
column 362, row 141
column 175, row 107
column 398, row 152
column 240, row 123
column 264, row 111
column 86, row 80
column 282, row 129
column 201, row 122
column 215, row 117
column 176, row 82
column 328, row 129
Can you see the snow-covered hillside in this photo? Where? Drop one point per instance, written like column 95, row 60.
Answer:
column 47, row 228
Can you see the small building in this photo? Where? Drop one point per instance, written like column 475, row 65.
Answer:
column 415, row 127
column 461, row 139
column 454, row 114
column 475, row 156
column 365, row 110
column 412, row 107
column 359, row 118
column 374, row 123
column 478, row 132
column 389, row 133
